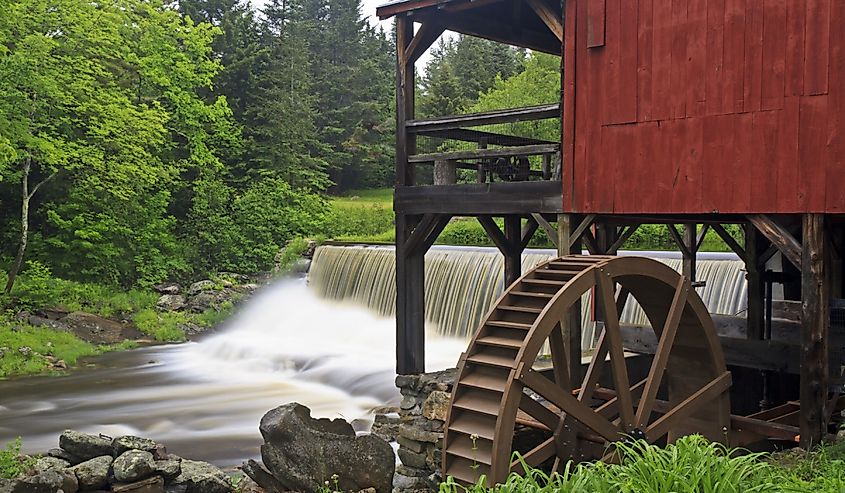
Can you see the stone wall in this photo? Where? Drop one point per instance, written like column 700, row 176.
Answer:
column 425, row 402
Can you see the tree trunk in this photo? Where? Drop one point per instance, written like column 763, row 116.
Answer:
column 25, row 198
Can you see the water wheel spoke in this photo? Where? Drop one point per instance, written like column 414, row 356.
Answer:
column 536, row 456
column 664, row 347
column 560, row 360
column 611, row 408
column 617, row 352
column 539, row 412
column 569, row 404
column 688, row 406
column 591, row 379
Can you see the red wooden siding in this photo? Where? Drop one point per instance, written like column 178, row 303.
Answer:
column 699, row 106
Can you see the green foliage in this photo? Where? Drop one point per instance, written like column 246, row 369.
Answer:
column 692, row 464
column 164, row 327
column 11, row 464
column 292, row 252
column 464, row 232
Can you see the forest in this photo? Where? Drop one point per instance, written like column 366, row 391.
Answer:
column 151, row 140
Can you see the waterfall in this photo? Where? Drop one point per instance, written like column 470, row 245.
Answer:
column 461, row 283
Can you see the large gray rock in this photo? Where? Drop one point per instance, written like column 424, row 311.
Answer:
column 45, row 482
column 133, row 465
column 69, row 482
column 200, row 286
column 302, row 453
column 154, row 484
column 84, row 445
column 93, row 474
column 170, row 302
column 202, row 477
column 129, row 442
column 169, row 469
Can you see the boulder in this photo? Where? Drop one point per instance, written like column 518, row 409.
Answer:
column 44, row 482
column 84, row 445
column 50, row 464
column 64, row 455
column 436, row 405
column 125, row 443
column 133, row 465
column 302, row 453
column 202, row 477
column 207, row 300
column 154, row 484
column 96, row 329
column 201, row 286
column 93, row 474
column 170, row 303
column 169, row 469
column 167, row 288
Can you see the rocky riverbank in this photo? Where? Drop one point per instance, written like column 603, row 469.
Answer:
column 127, row 464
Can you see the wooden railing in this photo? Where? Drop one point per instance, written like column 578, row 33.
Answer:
column 495, row 155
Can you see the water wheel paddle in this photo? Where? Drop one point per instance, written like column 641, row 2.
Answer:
column 501, row 388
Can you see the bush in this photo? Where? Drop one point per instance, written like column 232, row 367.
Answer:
column 162, row 327
column 11, row 464
column 690, row 465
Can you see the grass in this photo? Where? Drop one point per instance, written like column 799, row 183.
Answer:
column 161, row 326
column 42, row 343
column 690, row 465
column 367, row 216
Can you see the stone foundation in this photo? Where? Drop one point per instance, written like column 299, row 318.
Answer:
column 425, row 402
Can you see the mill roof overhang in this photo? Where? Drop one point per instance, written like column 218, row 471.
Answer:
column 532, row 24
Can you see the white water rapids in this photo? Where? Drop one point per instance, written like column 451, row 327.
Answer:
column 205, row 399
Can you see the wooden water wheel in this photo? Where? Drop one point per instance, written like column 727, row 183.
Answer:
column 505, row 401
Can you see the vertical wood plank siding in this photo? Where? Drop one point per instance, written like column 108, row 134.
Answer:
column 701, row 106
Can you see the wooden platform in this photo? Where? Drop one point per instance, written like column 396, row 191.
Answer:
column 470, row 199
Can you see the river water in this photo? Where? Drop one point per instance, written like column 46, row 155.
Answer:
column 204, row 399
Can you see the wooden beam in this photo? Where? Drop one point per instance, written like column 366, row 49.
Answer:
column 679, row 241
column 513, row 251
column 511, row 115
column 426, row 232
column 701, row 235
column 405, row 82
column 591, row 243
column 755, row 242
column 410, row 301
column 550, row 230
column 531, row 150
column 499, row 30
column 815, row 329
column 729, row 240
column 492, row 199
column 528, row 231
column 582, row 227
column 690, row 259
column 479, row 136
column 427, row 34
column 550, row 18
column 626, row 234
column 779, row 236
column 494, row 233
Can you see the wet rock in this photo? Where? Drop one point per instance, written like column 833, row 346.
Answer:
column 202, row 477
column 129, row 442
column 93, row 474
column 84, row 445
column 171, row 303
column 169, row 469
column 154, row 484
column 133, row 465
column 45, row 482
column 292, row 439
column 160, row 453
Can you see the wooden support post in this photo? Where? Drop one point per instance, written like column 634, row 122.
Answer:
column 445, row 172
column 690, row 255
column 410, row 300
column 570, row 324
column 405, row 142
column 815, row 325
column 513, row 254
column 755, row 247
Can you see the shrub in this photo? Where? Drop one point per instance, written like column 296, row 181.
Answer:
column 11, row 464
column 162, row 327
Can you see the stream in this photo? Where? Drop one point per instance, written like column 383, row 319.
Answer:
column 204, row 399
